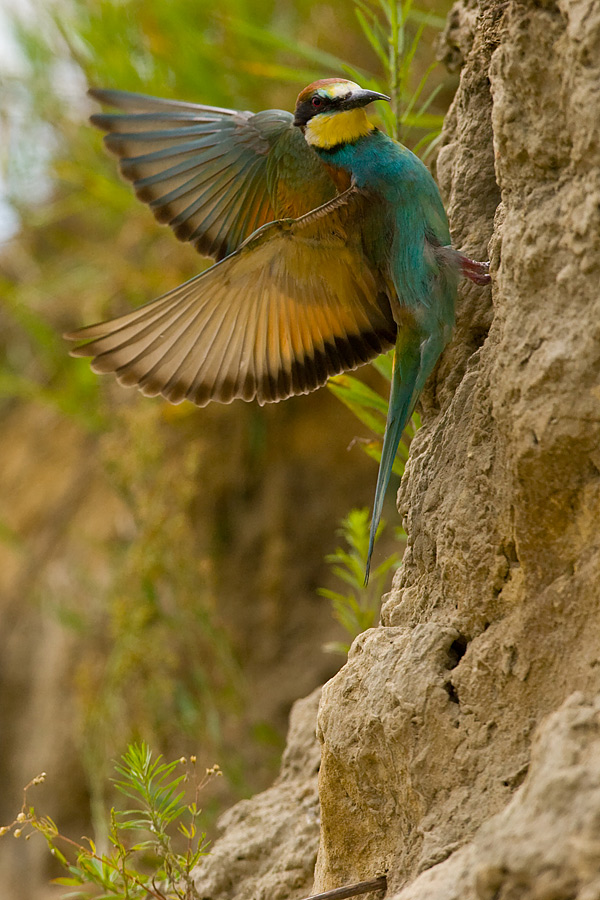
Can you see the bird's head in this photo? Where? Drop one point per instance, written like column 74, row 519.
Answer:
column 331, row 112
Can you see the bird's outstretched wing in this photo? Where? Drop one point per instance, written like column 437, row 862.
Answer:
column 214, row 175
column 298, row 302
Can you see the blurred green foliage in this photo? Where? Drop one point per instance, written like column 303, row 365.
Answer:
column 356, row 608
column 158, row 660
column 155, row 660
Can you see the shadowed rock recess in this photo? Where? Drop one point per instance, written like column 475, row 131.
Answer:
column 461, row 742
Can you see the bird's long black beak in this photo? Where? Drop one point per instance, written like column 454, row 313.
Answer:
column 362, row 97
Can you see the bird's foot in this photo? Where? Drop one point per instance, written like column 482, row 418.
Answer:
column 475, row 271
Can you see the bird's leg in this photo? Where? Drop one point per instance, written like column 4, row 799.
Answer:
column 473, row 270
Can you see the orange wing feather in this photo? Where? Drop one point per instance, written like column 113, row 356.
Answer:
column 298, row 302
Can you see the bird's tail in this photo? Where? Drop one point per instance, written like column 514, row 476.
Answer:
column 403, row 396
column 414, row 359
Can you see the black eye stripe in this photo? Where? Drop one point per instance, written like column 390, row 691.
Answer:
column 330, row 101
column 308, row 108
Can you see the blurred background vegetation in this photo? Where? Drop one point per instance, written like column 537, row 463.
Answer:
column 159, row 565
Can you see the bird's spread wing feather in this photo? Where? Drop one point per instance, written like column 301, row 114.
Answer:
column 298, row 302
column 214, row 175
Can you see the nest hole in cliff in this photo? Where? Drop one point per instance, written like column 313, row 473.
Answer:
column 456, row 651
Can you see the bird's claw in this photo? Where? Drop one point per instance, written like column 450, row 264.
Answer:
column 475, row 271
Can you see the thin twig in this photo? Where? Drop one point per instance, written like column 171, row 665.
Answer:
column 352, row 890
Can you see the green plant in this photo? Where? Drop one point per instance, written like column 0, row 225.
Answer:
column 356, row 609
column 385, row 25
column 143, row 860
column 394, row 30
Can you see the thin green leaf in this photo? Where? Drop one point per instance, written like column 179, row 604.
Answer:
column 280, row 42
column 425, row 18
column 432, row 136
column 372, row 37
column 419, row 90
column 432, row 145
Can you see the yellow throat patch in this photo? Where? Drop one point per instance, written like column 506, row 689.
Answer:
column 329, row 129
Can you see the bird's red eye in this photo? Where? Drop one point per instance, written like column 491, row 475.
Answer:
column 316, row 101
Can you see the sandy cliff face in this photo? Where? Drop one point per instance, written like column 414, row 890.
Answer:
column 494, row 619
column 461, row 742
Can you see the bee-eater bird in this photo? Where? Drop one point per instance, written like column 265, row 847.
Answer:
column 331, row 245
